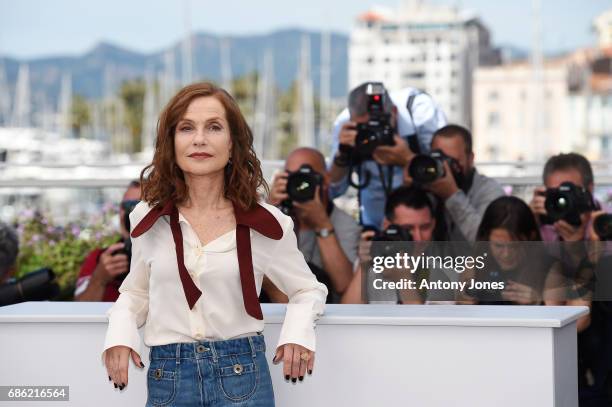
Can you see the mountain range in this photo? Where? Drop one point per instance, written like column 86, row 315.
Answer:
column 103, row 67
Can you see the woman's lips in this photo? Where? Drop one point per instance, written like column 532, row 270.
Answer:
column 200, row 156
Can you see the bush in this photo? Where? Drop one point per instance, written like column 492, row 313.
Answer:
column 62, row 248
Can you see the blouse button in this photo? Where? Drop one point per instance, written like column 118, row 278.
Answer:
column 198, row 336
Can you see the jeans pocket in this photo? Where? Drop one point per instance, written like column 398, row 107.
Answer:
column 238, row 376
column 161, row 382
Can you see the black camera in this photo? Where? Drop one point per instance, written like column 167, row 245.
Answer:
column 127, row 206
column 39, row 285
column 301, row 187
column 377, row 131
column 567, row 202
column 426, row 168
column 391, row 237
column 603, row 226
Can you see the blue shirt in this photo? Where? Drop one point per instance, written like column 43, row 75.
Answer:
column 428, row 117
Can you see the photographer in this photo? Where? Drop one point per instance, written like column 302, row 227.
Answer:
column 327, row 236
column 104, row 269
column 452, row 178
column 566, row 174
column 410, row 209
column 405, row 121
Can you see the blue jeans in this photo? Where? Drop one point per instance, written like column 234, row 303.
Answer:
column 233, row 372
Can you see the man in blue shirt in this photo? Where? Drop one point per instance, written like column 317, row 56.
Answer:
column 414, row 118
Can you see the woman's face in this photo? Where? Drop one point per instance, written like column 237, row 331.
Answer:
column 202, row 141
column 507, row 251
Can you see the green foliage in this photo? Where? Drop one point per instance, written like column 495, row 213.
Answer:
column 61, row 248
column 80, row 114
column 132, row 94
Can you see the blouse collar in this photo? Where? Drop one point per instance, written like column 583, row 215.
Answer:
column 257, row 218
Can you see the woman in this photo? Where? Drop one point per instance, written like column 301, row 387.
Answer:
column 522, row 268
column 518, row 258
column 201, row 244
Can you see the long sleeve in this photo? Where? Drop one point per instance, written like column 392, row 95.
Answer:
column 338, row 188
column 289, row 271
column 130, row 310
column 467, row 211
column 428, row 117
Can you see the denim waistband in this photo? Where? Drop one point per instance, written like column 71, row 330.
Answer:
column 209, row 349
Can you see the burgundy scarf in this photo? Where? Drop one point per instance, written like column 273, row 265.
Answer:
column 257, row 218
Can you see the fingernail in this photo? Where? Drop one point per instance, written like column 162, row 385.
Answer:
column 141, row 364
column 121, row 387
column 122, row 384
column 294, row 380
column 115, row 385
column 109, row 378
column 310, row 372
column 286, row 377
column 301, row 378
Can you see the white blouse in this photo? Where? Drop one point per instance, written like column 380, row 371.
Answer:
column 152, row 292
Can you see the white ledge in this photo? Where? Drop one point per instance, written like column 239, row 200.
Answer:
column 371, row 314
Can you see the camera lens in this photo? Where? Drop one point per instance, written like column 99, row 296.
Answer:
column 425, row 169
column 603, row 226
column 558, row 205
column 301, row 187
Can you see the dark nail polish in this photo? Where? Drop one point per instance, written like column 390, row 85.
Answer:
column 141, row 364
column 286, row 377
column 122, row 384
column 109, row 378
column 301, row 378
column 294, row 380
column 115, row 385
column 121, row 387
column 310, row 372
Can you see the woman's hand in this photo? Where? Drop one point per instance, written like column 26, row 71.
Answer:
column 116, row 360
column 521, row 294
column 296, row 361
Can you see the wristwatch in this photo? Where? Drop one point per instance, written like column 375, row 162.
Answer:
column 324, row 232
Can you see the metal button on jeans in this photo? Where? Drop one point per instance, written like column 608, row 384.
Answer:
column 238, row 368
column 158, row 373
column 201, row 349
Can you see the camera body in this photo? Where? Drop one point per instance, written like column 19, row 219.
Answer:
column 128, row 207
column 377, row 131
column 392, row 235
column 301, row 187
column 426, row 168
column 567, row 202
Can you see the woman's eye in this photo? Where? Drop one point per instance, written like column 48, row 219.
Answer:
column 215, row 127
column 187, row 128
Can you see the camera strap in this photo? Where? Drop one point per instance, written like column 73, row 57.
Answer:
column 388, row 184
column 413, row 139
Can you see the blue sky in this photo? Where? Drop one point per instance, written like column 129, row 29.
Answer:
column 36, row 28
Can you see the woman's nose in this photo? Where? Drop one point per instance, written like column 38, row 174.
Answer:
column 199, row 136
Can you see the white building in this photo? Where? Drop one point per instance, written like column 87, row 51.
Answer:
column 524, row 114
column 431, row 47
column 603, row 27
column 519, row 117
